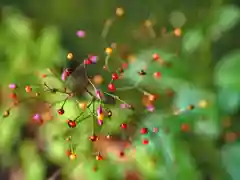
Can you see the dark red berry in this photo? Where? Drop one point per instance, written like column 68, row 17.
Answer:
column 93, row 138
column 144, row 131
column 121, row 154
column 120, row 70
column 71, row 123
column 115, row 76
column 13, row 95
column 61, row 111
column 111, row 87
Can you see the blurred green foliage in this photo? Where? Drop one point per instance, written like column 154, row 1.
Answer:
column 206, row 67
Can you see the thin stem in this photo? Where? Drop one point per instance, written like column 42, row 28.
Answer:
column 106, row 27
column 93, row 119
column 106, row 62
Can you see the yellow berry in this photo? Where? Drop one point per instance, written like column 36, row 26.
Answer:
column 72, row 156
column 70, row 56
column 148, row 23
column 119, row 11
column 101, row 116
column 203, row 104
column 83, row 106
column 108, row 51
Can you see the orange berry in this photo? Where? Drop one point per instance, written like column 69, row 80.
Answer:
column 108, row 51
column 177, row 32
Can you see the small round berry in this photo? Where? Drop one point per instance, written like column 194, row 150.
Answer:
column 115, row 76
column 93, row 138
column 68, row 152
column 99, row 157
column 12, row 86
column 142, row 73
column 121, row 154
column 81, row 34
column 71, row 123
column 185, row 127
column 124, row 65
column 98, row 79
column 82, row 105
column 157, row 74
column 123, row 126
column 144, row 131
column 177, row 32
column 190, row 107
column 6, row 113
column 109, row 113
column 13, row 95
column 60, row 111
column 145, row 141
column 155, row 57
column 44, row 75
column 28, row 89
column 119, row 12
column 108, row 51
column 72, row 156
column 87, row 61
column 111, row 87
column 69, row 56
column 148, row 23
column 155, row 130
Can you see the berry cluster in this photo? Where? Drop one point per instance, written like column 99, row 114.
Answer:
column 96, row 96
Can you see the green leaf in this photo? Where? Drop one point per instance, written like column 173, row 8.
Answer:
column 229, row 101
column 227, row 17
column 185, row 168
column 35, row 170
column 48, row 47
column 227, row 71
column 192, row 40
column 231, row 159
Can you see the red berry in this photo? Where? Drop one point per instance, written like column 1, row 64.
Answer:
column 144, row 131
column 155, row 56
column 71, row 123
column 145, row 141
column 44, row 75
column 13, row 95
column 28, row 89
column 124, row 65
column 157, row 74
column 123, row 126
column 93, row 138
column 99, row 157
column 60, row 111
column 185, row 127
column 115, row 76
column 111, row 87
column 155, row 130
column 87, row 61
column 121, row 154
